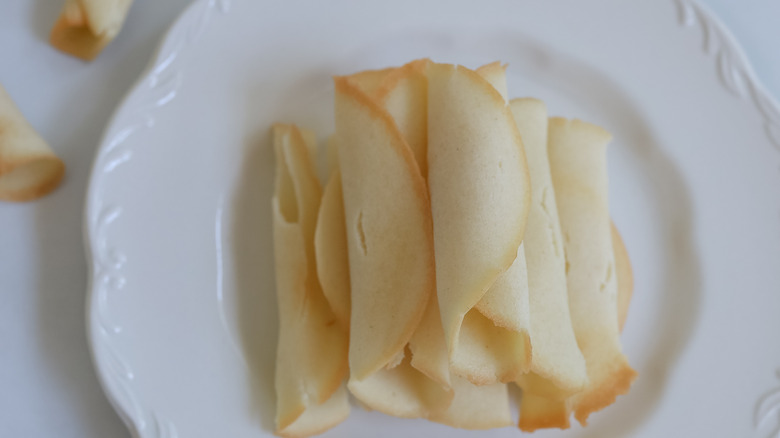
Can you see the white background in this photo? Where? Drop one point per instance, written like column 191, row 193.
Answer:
column 47, row 383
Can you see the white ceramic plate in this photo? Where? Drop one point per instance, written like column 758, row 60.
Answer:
column 182, row 311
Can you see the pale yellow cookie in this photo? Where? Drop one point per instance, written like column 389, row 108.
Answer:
column 330, row 245
column 85, row 27
column 29, row 168
column 577, row 152
column 558, row 367
column 311, row 360
column 388, row 227
column 480, row 194
column 625, row 276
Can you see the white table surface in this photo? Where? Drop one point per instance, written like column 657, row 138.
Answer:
column 47, row 382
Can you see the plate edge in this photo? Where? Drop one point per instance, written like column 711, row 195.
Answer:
column 735, row 71
column 155, row 87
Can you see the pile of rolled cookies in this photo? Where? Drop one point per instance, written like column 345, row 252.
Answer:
column 462, row 243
